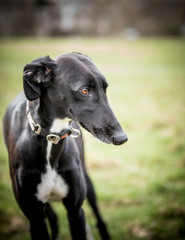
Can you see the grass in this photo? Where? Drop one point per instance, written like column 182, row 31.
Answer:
column 140, row 185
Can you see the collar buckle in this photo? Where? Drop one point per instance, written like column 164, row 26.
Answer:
column 37, row 128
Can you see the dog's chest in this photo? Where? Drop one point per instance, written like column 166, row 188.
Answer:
column 52, row 186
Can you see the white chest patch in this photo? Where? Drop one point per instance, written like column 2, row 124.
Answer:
column 52, row 186
column 59, row 124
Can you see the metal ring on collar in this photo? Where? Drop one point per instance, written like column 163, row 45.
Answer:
column 75, row 133
column 53, row 138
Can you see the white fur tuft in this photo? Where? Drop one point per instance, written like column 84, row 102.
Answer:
column 52, row 186
column 59, row 124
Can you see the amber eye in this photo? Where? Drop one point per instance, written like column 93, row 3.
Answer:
column 85, row 91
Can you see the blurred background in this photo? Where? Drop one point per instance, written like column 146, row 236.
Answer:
column 86, row 17
column 140, row 48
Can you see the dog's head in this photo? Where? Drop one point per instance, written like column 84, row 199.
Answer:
column 74, row 88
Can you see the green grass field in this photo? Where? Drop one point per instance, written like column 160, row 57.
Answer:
column 140, row 185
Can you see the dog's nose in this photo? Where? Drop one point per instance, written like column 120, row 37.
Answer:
column 119, row 139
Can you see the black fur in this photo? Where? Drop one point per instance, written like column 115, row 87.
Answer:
column 54, row 89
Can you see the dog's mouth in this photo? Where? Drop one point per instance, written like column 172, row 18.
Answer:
column 101, row 135
column 106, row 135
column 98, row 133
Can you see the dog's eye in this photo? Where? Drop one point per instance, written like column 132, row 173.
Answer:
column 85, row 91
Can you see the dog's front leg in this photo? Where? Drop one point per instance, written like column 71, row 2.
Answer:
column 76, row 221
column 32, row 208
column 36, row 217
column 38, row 229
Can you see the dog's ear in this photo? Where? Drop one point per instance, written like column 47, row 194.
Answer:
column 36, row 75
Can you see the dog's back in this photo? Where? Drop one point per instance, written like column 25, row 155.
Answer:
column 14, row 118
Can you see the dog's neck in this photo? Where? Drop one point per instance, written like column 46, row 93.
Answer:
column 45, row 124
column 56, row 129
column 45, row 114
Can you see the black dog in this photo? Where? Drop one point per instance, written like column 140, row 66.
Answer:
column 46, row 161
